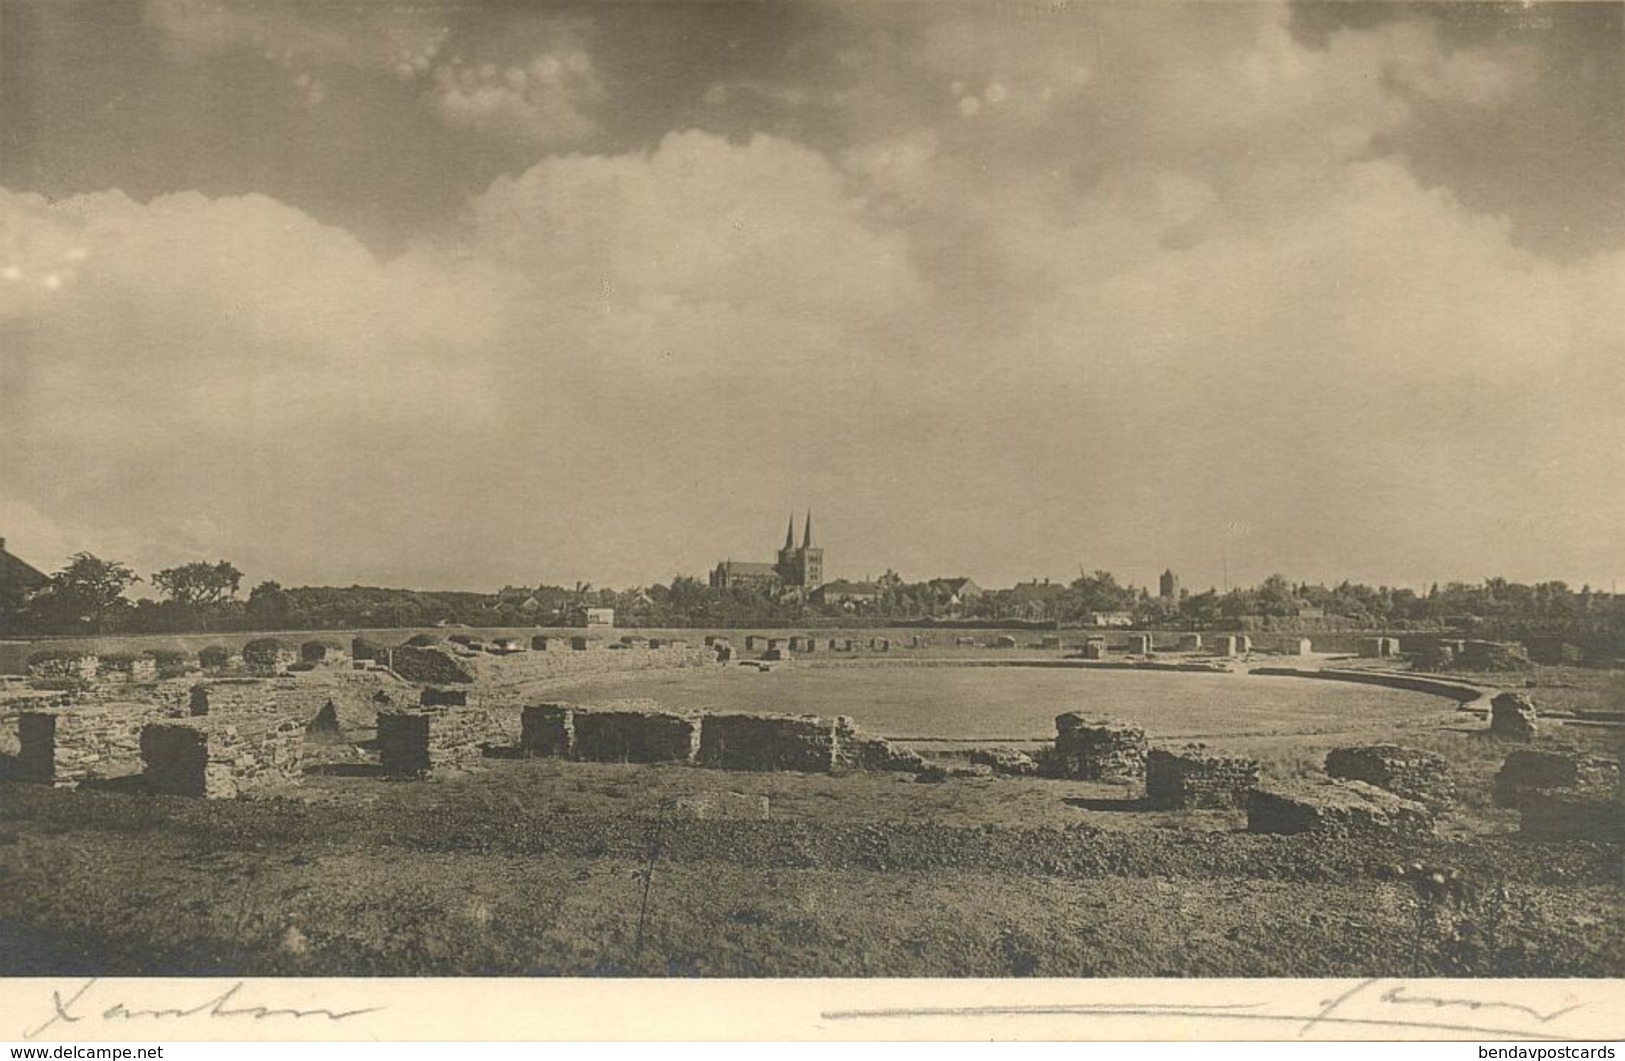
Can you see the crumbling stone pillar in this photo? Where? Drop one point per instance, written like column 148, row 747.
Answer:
column 548, row 730
column 1105, row 749
column 1512, row 716
column 403, row 743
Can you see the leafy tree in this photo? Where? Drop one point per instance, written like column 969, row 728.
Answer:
column 88, row 592
column 268, row 604
column 199, row 584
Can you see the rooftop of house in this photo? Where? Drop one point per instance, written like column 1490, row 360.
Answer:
column 16, row 571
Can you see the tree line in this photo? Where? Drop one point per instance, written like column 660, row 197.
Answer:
column 91, row 595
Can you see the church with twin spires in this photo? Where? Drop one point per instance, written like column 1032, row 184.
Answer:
column 798, row 567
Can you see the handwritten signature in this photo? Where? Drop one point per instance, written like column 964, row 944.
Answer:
column 223, row 1006
column 1352, row 1007
column 1399, row 995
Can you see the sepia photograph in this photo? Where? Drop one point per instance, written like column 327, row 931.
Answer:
column 1002, row 495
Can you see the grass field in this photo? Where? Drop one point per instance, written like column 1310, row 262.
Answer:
column 1014, row 703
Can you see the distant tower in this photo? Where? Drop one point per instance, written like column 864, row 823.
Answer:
column 812, row 558
column 802, row 568
column 1168, row 586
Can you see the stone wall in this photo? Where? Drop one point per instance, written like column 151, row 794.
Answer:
column 413, row 741
column 1526, row 771
column 15, row 702
column 73, row 665
column 67, row 745
column 1406, row 772
column 1492, row 655
column 356, row 696
column 640, row 731
column 1334, row 808
column 1376, row 647
column 1195, row 778
column 124, row 668
column 1098, row 749
column 429, row 666
column 635, row 732
column 806, row 743
column 403, row 742
column 217, row 759
column 548, row 730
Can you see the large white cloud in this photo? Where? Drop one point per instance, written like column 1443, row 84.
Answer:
column 1220, row 308
column 235, row 358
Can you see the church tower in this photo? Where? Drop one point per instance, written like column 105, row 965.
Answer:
column 803, row 567
column 812, row 558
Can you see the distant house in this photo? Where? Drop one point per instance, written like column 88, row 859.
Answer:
column 954, row 593
column 843, row 592
column 1033, row 600
column 18, row 576
column 599, row 617
column 1111, row 618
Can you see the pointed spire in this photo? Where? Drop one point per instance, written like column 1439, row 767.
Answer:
column 806, row 536
column 790, row 533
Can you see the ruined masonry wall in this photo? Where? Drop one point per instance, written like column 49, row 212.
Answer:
column 1196, row 779
column 635, row 732
column 67, row 745
column 641, row 732
column 217, row 759
column 769, row 742
column 1098, row 749
column 1406, row 772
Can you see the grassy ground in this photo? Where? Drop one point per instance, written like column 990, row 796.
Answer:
column 545, row 867
column 541, row 867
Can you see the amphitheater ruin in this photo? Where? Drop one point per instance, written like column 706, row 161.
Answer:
column 237, row 724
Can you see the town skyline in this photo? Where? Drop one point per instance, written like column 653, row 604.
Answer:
column 1155, row 584
column 457, row 294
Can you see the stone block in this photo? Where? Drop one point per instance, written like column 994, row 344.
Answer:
column 1197, row 779
column 1512, row 716
column 1527, row 770
column 1335, row 808
column 1098, row 749
column 635, row 734
column 768, row 742
column 547, row 730
column 220, row 759
column 1406, row 772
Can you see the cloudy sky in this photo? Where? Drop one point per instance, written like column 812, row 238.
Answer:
column 456, row 295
